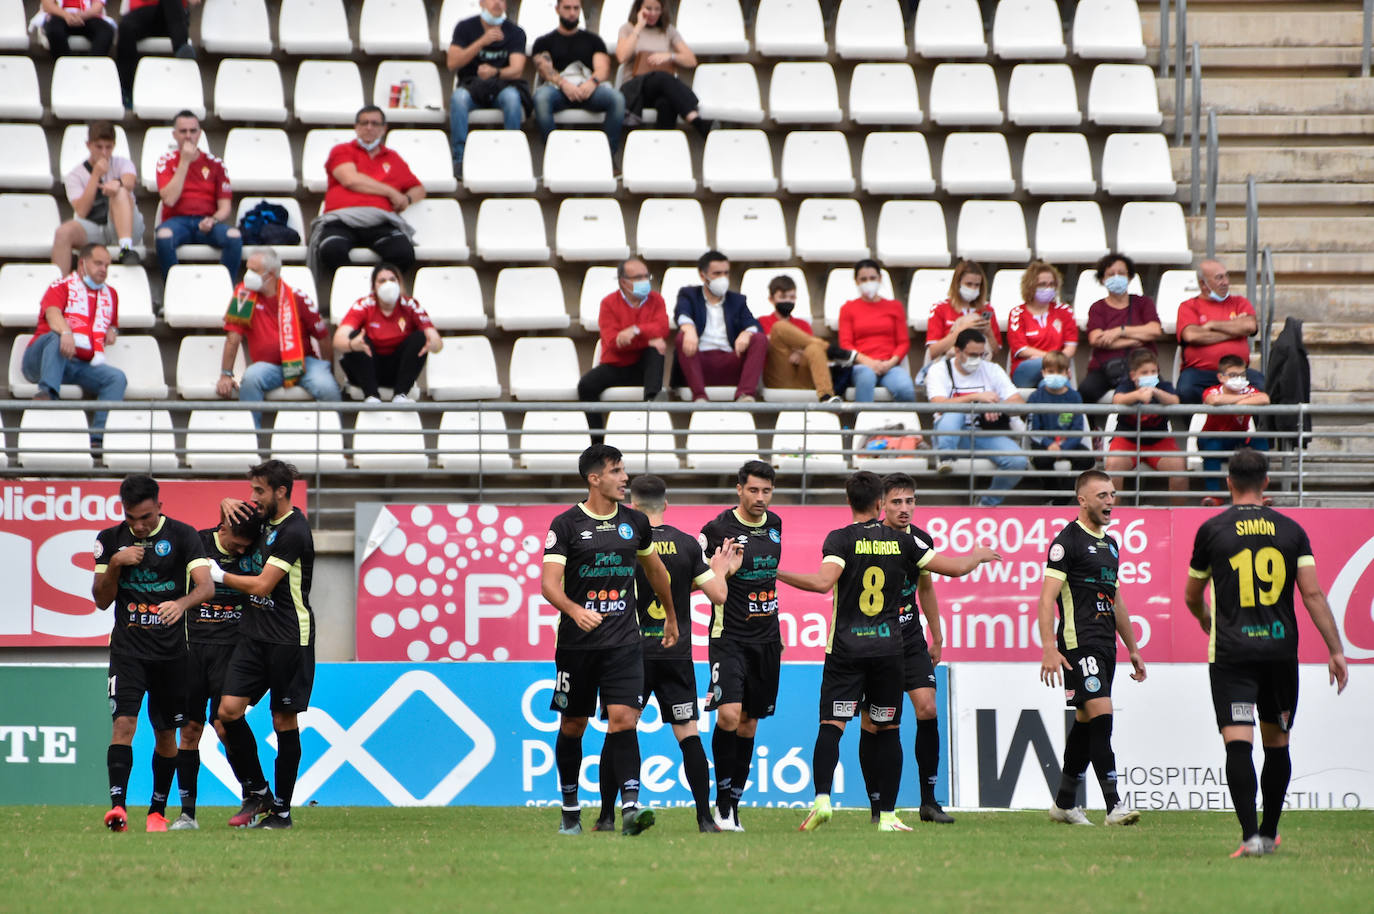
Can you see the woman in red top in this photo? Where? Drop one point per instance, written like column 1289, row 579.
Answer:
column 875, row 329
column 385, row 337
column 1040, row 324
column 966, row 308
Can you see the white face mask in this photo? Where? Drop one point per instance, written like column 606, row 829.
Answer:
column 719, row 286
column 969, row 294
column 252, row 281
column 1236, row 385
column 972, row 364
column 869, row 289
column 388, row 291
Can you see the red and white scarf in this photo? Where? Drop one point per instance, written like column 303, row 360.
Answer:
column 88, row 330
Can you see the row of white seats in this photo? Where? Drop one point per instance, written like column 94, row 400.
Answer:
column 782, row 28
column 331, row 92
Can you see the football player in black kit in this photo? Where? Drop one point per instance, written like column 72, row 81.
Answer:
column 746, row 642
column 153, row 569
column 589, row 575
column 1080, row 578
column 668, row 672
column 1254, row 557
column 867, row 564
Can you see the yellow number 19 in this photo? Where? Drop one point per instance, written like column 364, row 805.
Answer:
column 1268, row 566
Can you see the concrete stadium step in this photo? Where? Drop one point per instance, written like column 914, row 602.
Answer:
column 1345, row 372
column 1287, row 265
column 1269, row 39
column 1275, row 126
column 1307, row 96
column 1316, row 234
column 1346, row 164
column 1329, row 302
column 1300, row 195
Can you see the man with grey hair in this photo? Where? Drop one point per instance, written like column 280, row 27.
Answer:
column 275, row 321
column 1213, row 324
column 634, row 341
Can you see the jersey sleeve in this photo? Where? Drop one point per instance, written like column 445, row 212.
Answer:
column 1060, row 557
column 104, row 549
column 557, row 542
column 917, row 553
column 193, row 548
column 835, row 550
column 356, row 316
column 312, row 322
column 644, row 535
column 709, row 539
column 1303, row 549
column 1200, row 565
column 701, row 572
column 287, row 548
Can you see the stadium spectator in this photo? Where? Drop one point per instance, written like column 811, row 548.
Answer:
column 101, row 192
column 633, row 321
column 967, row 375
column 1234, row 389
column 77, row 319
column 576, row 70
column 62, row 19
column 965, row 308
column 718, row 339
column 370, row 185
column 1145, row 435
column 796, row 359
column 488, row 53
column 274, row 320
column 1117, row 325
column 151, row 19
column 1211, row 325
column 385, row 338
column 650, row 50
column 196, row 195
column 875, row 329
column 1059, row 435
column 1040, row 324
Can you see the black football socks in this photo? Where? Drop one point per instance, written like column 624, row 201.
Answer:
column 1240, row 777
column 188, row 776
column 120, row 761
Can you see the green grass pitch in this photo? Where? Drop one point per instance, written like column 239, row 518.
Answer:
column 61, row 859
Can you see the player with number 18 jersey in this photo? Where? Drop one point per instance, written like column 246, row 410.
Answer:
column 1086, row 563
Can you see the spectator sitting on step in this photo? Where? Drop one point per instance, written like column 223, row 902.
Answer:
column 633, row 322
column 385, row 338
column 142, row 19
column 277, row 322
column 576, row 71
column 488, row 53
column 1059, row 435
column 1233, row 389
column 370, row 185
column 650, row 50
column 101, row 192
column 1040, row 324
column 77, row 321
column 61, row 19
column 875, row 329
column 1214, row 324
column 1149, row 435
column 1117, row 326
column 796, row 359
column 196, row 198
column 718, row 339
column 965, row 308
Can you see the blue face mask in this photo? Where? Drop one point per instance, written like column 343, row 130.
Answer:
column 1055, row 381
column 1118, row 284
column 489, row 19
column 92, row 284
column 1147, row 380
column 1215, row 297
column 642, row 288
column 369, row 146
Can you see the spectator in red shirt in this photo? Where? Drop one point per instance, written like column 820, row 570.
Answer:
column 195, row 193
column 385, row 338
column 875, row 328
column 966, row 308
column 149, row 19
column 633, row 322
column 1040, row 324
column 370, row 185
column 278, row 323
column 1214, row 324
column 1234, row 389
column 797, row 360
column 64, row 18
column 1117, row 325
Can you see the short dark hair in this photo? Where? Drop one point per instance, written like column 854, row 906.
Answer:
column 648, row 490
column 864, row 489
column 620, row 267
column 249, row 527
column 87, row 250
column 1109, row 259
column 137, row 489
column 395, row 271
column 867, row 262
column 969, row 335
column 1142, row 357
column 757, row 469
column 100, row 130
column 705, row 260
column 781, row 283
column 365, row 109
column 663, row 21
column 278, row 474
column 186, row 112
column 596, row 458
column 1230, row 360
column 1248, row 469
column 896, row 482
column 1088, row 476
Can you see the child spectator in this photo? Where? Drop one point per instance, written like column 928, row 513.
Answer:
column 1234, row 389
column 1147, row 438
column 1059, row 435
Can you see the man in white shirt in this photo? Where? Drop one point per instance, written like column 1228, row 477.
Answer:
column 967, row 376
column 719, row 341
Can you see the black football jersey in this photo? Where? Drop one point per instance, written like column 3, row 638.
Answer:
column 876, row 562
column 599, row 556
column 687, row 569
column 1252, row 555
column 750, row 611
column 1087, row 563
column 284, row 617
column 908, row 617
column 217, row 622
column 170, row 552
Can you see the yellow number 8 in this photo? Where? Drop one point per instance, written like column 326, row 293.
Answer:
column 871, row 597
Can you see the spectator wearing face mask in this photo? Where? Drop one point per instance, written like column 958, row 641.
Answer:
column 1144, row 434
column 633, row 322
column 966, row 308
column 1233, row 388
column 875, row 329
column 796, row 359
column 1117, row 326
column 1040, row 325
column 1214, row 324
column 385, row 338
column 1058, row 434
column 719, row 342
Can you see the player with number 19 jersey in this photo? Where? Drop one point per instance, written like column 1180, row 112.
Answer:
column 599, row 557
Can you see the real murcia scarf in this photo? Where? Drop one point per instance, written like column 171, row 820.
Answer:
column 289, row 335
column 88, row 330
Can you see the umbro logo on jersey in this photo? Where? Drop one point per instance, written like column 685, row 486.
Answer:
column 586, row 534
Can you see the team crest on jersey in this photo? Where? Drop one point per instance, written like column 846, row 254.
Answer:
column 271, row 537
column 551, row 540
column 626, row 531
column 1111, row 544
column 701, row 541
column 560, row 699
column 1056, row 552
column 1092, row 684
column 163, row 548
column 774, row 535
column 99, row 549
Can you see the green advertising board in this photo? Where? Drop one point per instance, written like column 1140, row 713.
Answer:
column 54, row 731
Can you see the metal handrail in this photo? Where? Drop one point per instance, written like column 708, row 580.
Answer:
column 1163, row 39
column 1368, row 35
column 1268, row 306
column 1195, row 204
column 1212, row 158
column 1251, row 238
column 1180, row 67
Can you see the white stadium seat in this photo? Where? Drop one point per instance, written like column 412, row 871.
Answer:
column 544, row 368
column 551, row 442
column 21, row 288
column 597, row 283
column 896, row 162
column 870, row 30
column 315, row 153
column 394, row 27
column 27, row 224
column 911, row 233
column 1124, row 95
column 138, row 357
column 645, row 438
column 299, row 277
column 139, row 441
column 427, row 99
column 809, row 442
column 157, row 142
column 328, row 92
column 294, row 220
column 350, row 283
column 790, row 28
column 1057, row 164
column 538, row 19
column 949, row 28
column 591, row 228
column 135, row 296
column 465, row 369
column 992, row 230
column 753, row 285
column 314, row 27
column 721, row 441
column 24, row 159
column 236, row 27
column 1137, row 165
column 884, row 93
column 83, row 89
column 1088, row 291
column 658, row 162
column 439, row 231
column 1175, row 287
column 1070, row 232
column 391, row 440
column 674, row 280
column 1028, row 30
column 964, row 94
column 830, row 230
column 817, row 162
column 712, row 26
column 19, row 99
column 249, row 90
column 196, row 295
column 530, row 298
column 870, row 421
column 840, row 288
column 474, row 442
column 614, row 14
column 738, row 162
column 498, row 162
column 21, row 388
column 804, row 93
column 310, row 440
column 165, row 85
column 451, row 296
column 670, row 229
column 55, row 440
column 976, row 163
column 578, row 162
column 1108, row 30
column 74, row 151
column 221, row 440
column 728, row 92
column 198, row 361
column 427, row 152
column 511, row 230
column 927, row 288
column 13, row 29
column 258, row 160
column 752, row 228
column 1043, row 95
column 624, row 394
column 1151, row 232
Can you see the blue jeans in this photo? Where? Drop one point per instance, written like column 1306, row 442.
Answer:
column 1028, row 373
column 549, row 100
column 1007, row 464
column 186, row 230
column 460, row 105
column 1213, row 464
column 261, row 377
column 43, row 364
column 896, row 380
